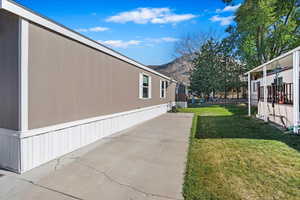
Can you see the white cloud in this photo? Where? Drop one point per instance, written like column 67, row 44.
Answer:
column 150, row 15
column 228, row 9
column 120, row 43
column 93, row 29
column 169, row 39
column 163, row 39
column 172, row 19
column 224, row 21
column 146, row 41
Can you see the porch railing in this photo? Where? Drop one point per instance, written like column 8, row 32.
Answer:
column 281, row 94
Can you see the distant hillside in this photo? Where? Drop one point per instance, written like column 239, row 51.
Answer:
column 179, row 69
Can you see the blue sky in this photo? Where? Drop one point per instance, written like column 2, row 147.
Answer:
column 144, row 30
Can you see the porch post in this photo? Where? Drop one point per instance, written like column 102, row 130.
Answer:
column 296, row 90
column 249, row 94
column 265, row 93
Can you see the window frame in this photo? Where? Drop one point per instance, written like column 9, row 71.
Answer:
column 163, row 89
column 141, row 86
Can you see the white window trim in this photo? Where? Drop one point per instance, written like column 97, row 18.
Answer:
column 141, row 77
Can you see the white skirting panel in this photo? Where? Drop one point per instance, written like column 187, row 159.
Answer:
column 27, row 152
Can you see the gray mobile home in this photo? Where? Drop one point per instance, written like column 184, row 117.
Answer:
column 60, row 91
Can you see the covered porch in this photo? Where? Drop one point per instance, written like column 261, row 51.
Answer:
column 274, row 88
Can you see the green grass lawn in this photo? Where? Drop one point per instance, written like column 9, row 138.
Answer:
column 232, row 156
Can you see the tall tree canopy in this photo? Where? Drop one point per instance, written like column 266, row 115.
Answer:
column 203, row 77
column 216, row 68
column 265, row 29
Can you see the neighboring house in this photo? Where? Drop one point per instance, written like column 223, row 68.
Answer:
column 60, row 91
column 182, row 95
column 274, row 89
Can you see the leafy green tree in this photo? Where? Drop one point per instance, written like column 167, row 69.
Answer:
column 233, row 69
column 216, row 68
column 206, row 69
column 265, row 29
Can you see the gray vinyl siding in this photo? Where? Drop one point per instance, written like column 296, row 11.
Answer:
column 69, row 81
column 9, row 85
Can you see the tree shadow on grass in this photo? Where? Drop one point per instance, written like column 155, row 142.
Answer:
column 239, row 126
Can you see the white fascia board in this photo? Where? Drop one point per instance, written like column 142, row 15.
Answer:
column 173, row 81
column 42, row 21
column 277, row 58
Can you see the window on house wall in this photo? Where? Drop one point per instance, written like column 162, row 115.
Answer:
column 145, row 86
column 163, row 89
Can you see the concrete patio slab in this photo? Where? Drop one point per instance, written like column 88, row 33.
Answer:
column 145, row 162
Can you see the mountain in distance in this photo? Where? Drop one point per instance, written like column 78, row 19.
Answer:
column 178, row 69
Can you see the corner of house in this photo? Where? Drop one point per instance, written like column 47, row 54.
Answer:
column 2, row 3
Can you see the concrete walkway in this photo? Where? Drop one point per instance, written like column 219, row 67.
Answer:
column 144, row 162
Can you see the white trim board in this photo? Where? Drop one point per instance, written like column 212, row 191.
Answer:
column 23, row 74
column 42, row 21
